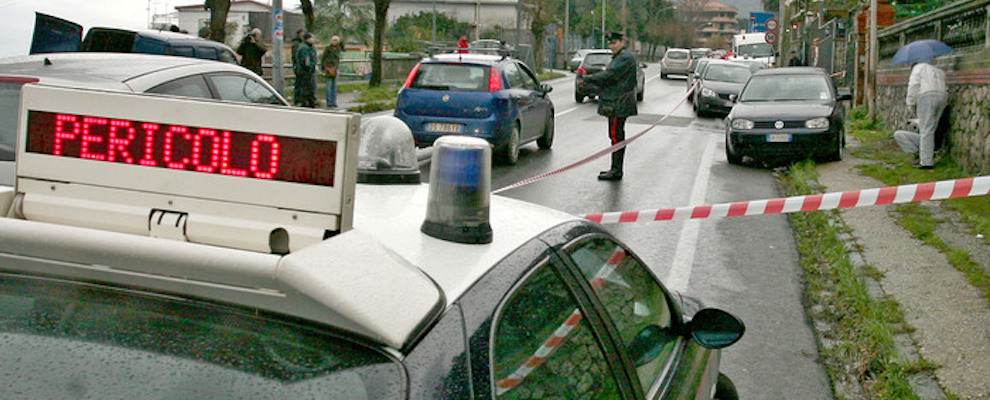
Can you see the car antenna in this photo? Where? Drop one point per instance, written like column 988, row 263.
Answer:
column 47, row 61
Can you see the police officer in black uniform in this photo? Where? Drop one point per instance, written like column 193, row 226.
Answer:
column 617, row 99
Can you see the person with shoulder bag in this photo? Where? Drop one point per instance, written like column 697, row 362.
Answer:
column 331, row 63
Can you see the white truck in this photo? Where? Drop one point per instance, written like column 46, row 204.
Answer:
column 753, row 46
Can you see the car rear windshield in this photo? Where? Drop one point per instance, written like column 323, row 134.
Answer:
column 598, row 59
column 457, row 77
column 786, row 88
column 677, row 55
column 727, row 73
column 62, row 339
column 10, row 103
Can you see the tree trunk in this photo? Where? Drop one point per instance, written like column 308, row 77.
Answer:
column 307, row 9
column 218, row 19
column 538, row 29
column 381, row 12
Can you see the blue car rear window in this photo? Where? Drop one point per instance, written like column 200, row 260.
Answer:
column 457, row 77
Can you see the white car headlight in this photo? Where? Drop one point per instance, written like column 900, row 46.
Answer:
column 707, row 92
column 817, row 123
column 742, row 124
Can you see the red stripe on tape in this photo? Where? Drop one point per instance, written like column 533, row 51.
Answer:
column 616, row 258
column 924, row 191
column 738, row 209
column 774, row 206
column 573, row 319
column 553, row 341
column 886, row 195
column 594, row 217
column 534, row 362
column 629, row 216
column 812, row 202
column 665, row 214
column 701, row 212
column 849, row 199
column 963, row 187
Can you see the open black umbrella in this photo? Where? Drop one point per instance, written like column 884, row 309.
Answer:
column 920, row 50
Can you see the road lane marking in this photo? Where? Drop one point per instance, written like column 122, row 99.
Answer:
column 687, row 244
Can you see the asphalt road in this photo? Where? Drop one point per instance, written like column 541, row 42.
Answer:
column 746, row 265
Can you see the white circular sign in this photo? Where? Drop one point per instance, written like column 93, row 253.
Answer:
column 771, row 37
column 771, row 24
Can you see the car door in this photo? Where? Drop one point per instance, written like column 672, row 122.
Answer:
column 55, row 35
column 519, row 95
column 532, row 333
column 639, row 309
column 533, row 103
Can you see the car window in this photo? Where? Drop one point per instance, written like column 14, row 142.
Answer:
column 207, row 53
column 677, row 55
column 190, row 86
column 59, row 339
column 597, row 59
column 635, row 302
column 459, row 77
column 727, row 73
column 529, row 79
column 242, row 88
column 786, row 88
column 227, row 56
column 514, row 76
column 10, row 102
column 144, row 44
column 184, row 51
column 539, row 334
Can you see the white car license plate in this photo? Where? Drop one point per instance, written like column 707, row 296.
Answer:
column 444, row 127
column 779, row 137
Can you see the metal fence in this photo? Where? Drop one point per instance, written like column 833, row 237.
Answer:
column 964, row 26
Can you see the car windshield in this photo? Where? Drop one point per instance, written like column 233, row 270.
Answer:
column 597, row 59
column 677, row 55
column 458, row 77
column 727, row 73
column 62, row 339
column 755, row 50
column 786, row 88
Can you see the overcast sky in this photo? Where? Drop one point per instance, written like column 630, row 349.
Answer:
column 17, row 16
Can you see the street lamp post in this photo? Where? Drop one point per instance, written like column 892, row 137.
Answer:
column 604, row 7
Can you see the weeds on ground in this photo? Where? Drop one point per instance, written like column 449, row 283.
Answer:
column 548, row 75
column 859, row 344
column 893, row 167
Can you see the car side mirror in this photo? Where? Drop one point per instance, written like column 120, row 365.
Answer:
column 733, row 97
column 844, row 96
column 714, row 329
column 545, row 88
column 642, row 65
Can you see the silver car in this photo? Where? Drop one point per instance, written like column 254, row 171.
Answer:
column 675, row 62
column 179, row 76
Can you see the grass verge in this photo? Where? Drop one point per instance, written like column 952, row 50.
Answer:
column 856, row 331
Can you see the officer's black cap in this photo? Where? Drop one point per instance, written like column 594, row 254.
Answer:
column 613, row 36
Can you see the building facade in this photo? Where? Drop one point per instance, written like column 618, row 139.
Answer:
column 714, row 23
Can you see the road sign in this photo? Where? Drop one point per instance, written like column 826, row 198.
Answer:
column 771, row 37
column 758, row 21
column 771, row 24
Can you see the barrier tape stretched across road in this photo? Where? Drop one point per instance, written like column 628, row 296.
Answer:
column 603, row 152
column 948, row 189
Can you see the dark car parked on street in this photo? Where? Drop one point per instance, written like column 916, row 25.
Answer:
column 719, row 81
column 495, row 98
column 788, row 112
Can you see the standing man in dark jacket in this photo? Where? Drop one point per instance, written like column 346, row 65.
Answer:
column 617, row 99
column 251, row 51
column 305, row 70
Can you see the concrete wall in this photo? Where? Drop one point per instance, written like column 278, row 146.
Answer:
column 964, row 26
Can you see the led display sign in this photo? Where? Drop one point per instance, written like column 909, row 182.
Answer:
column 182, row 147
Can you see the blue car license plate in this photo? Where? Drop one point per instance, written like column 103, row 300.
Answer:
column 779, row 137
column 444, row 127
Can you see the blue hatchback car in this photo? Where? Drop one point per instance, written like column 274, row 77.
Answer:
column 495, row 98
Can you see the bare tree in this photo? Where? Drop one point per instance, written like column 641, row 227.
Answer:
column 307, row 9
column 381, row 11
column 540, row 13
column 218, row 18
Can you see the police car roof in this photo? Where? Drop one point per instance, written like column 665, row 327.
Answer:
column 101, row 70
column 384, row 279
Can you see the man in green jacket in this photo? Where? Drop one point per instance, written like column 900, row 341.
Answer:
column 305, row 70
column 617, row 99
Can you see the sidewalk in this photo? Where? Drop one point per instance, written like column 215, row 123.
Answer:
column 951, row 320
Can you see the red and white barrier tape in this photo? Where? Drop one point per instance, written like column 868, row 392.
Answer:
column 558, row 336
column 603, row 152
column 966, row 187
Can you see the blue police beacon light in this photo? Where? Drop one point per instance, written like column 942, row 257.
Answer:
column 460, row 189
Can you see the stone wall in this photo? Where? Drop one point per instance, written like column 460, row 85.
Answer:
column 965, row 27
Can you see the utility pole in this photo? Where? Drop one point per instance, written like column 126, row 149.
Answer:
column 278, row 34
column 785, row 28
column 871, row 74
